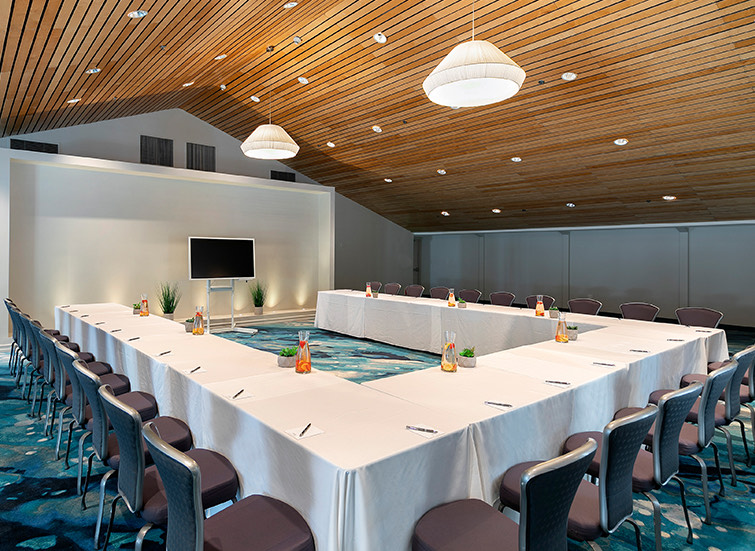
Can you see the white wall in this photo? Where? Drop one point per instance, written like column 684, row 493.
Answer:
column 86, row 230
column 369, row 247
column 669, row 265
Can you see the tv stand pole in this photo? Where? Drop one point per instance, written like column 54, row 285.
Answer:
column 211, row 289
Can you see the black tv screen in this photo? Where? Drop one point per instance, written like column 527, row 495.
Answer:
column 221, row 258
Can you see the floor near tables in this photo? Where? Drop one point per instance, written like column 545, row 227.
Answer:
column 39, row 508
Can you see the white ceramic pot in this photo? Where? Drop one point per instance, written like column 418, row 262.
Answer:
column 189, row 326
column 572, row 334
column 461, row 304
column 258, row 310
column 169, row 316
column 137, row 311
column 286, row 361
column 553, row 313
column 467, row 362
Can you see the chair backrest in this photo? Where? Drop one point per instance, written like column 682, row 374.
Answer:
column 643, row 311
column 439, row 292
column 414, row 290
column 621, row 443
column 706, row 415
column 66, row 357
column 91, row 384
column 392, row 288
column 585, row 306
column 11, row 307
column 744, row 359
column 469, row 295
column 502, row 298
column 26, row 337
column 48, row 366
column 375, row 286
column 532, row 301
column 182, row 480
column 547, row 493
column 127, row 424
column 699, row 317
column 52, row 365
column 673, row 408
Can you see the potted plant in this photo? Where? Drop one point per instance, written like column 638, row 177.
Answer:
column 168, row 296
column 572, row 331
column 137, row 308
column 189, row 325
column 462, row 304
column 258, row 291
column 287, row 357
column 467, row 358
column 553, row 312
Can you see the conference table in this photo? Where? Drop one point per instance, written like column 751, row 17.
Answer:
column 358, row 476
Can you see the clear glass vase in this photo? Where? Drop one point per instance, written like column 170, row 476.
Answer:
column 449, row 361
column 561, row 335
column 303, row 358
column 369, row 289
column 451, row 298
column 198, row 328
column 144, row 308
column 539, row 308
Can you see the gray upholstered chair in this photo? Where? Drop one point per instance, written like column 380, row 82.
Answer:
column 392, row 288
column 531, row 301
column 547, row 490
column 643, row 311
column 255, row 523
column 588, row 306
column 469, row 295
column 747, row 395
column 653, row 470
column 699, row 317
column 502, row 298
column 414, row 290
column 598, row 510
column 15, row 335
column 440, row 292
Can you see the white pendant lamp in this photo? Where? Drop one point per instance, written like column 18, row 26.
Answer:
column 474, row 73
column 269, row 141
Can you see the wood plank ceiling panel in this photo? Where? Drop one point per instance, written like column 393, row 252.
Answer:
column 675, row 77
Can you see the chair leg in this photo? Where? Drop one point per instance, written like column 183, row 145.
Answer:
column 722, row 490
column 112, row 518
column 101, row 510
column 637, row 533
column 41, row 399
column 704, row 479
column 33, row 395
column 60, row 432
column 656, row 519
column 752, row 419
column 68, row 446
column 684, row 507
column 140, row 536
column 86, row 482
column 80, row 466
column 730, row 451
column 748, row 460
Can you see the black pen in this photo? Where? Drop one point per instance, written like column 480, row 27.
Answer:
column 558, row 382
column 164, row 353
column 501, row 404
column 237, row 394
column 196, row 369
column 676, row 340
column 83, row 315
column 421, row 429
column 604, row 363
column 133, row 339
column 703, row 331
column 115, row 330
column 66, row 306
column 305, row 430
column 99, row 323
column 72, row 311
column 638, row 350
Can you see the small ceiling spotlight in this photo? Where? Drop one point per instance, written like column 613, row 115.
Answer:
column 496, row 211
column 516, row 159
column 445, row 213
column 377, row 129
column 380, row 38
column 571, row 205
column 441, row 171
column 569, row 76
column 621, row 141
column 137, row 14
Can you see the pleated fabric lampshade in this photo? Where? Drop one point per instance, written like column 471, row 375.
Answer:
column 474, row 73
column 269, row 141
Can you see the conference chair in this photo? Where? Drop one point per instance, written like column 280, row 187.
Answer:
column 392, row 288
column 598, row 510
column 699, row 317
column 255, row 523
column 502, row 298
column 375, row 286
column 588, row 306
column 653, row 470
column 694, row 439
column 547, row 491
column 643, row 311
column 414, row 290
column 747, row 395
column 439, row 292
column 469, row 295
column 15, row 336
column 532, row 301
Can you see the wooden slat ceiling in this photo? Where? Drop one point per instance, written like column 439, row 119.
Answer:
column 673, row 77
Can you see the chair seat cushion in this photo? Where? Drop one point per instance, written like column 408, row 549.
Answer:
column 712, row 366
column 511, row 484
column 576, row 440
column 584, row 515
column 219, row 484
column 463, row 525
column 60, row 338
column 99, row 368
column 259, row 523
column 174, row 431
column 51, row 332
column 744, row 394
column 719, row 415
column 642, row 473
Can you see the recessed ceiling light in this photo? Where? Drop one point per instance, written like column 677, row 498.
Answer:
column 255, row 99
column 571, row 205
column 77, row 100
column 92, row 71
column 380, row 38
column 516, row 159
column 330, row 144
column 496, row 211
column 297, row 40
column 669, row 197
column 219, row 57
column 303, row 80
column 455, row 107
column 187, row 84
column 441, row 171
column 377, row 129
column 137, row 14
column 388, row 180
column 289, row 5
column 445, row 213
column 569, row 76
column 223, row 86
column 621, row 141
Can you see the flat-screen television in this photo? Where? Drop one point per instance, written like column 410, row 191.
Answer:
column 221, row 258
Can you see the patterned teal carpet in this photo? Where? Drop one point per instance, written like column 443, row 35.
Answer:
column 39, row 508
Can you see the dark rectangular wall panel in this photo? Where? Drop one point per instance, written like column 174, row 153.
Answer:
column 200, row 157
column 283, row 176
column 26, row 145
column 156, row 151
